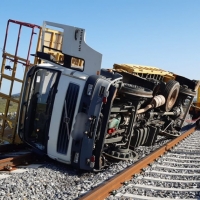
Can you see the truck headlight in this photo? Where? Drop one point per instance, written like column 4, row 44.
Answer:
column 89, row 89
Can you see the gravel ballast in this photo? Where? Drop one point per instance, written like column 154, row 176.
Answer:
column 55, row 180
column 167, row 178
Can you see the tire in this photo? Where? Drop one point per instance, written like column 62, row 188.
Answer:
column 170, row 93
column 136, row 90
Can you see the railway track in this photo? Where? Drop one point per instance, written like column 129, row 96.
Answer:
column 172, row 171
column 12, row 156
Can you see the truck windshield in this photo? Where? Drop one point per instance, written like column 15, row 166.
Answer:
column 41, row 89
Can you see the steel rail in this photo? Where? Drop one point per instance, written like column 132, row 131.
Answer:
column 12, row 162
column 103, row 190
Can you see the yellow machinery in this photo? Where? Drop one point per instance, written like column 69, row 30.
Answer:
column 198, row 98
column 145, row 71
column 195, row 108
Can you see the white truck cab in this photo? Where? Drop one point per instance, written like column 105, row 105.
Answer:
column 62, row 101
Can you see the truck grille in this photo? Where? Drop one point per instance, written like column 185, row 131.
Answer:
column 67, row 118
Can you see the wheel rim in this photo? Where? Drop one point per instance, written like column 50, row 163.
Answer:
column 173, row 98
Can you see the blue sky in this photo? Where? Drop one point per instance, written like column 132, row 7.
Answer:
column 160, row 33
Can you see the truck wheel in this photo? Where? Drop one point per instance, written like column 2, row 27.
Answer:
column 170, row 93
column 136, row 90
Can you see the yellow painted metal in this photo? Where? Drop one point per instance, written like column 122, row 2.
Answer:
column 198, row 96
column 8, row 121
column 8, row 125
column 53, row 40
column 197, row 103
column 195, row 108
column 144, row 71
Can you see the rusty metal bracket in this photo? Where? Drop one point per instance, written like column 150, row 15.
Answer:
column 10, row 163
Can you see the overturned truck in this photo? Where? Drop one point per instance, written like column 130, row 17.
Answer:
column 80, row 114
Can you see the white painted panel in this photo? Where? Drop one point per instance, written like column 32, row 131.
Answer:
column 56, row 117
